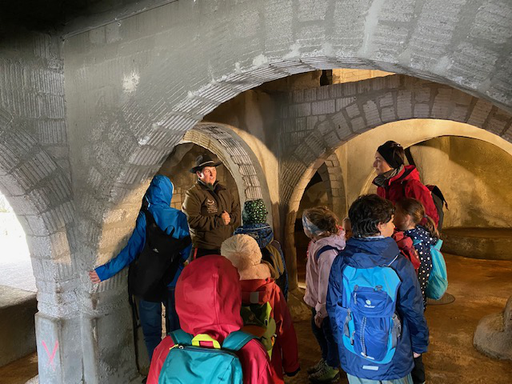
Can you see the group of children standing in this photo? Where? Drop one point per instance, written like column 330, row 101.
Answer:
column 367, row 290
column 367, row 298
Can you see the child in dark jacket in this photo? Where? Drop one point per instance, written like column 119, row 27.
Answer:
column 254, row 218
column 370, row 250
column 410, row 218
column 259, row 288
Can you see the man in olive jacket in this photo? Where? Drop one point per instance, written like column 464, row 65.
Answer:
column 212, row 212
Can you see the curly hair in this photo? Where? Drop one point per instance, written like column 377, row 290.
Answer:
column 367, row 212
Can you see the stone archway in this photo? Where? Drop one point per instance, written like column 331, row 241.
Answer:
column 40, row 194
column 332, row 176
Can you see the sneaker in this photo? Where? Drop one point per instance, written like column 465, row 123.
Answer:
column 325, row 374
column 316, row 367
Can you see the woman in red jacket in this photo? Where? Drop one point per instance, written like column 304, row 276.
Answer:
column 395, row 180
column 208, row 301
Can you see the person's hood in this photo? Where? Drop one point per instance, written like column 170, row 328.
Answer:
column 160, row 191
column 409, row 173
column 337, row 241
column 262, row 233
column 158, row 196
column 257, row 291
column 369, row 252
column 208, row 297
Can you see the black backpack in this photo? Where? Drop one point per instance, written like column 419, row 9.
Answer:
column 439, row 201
column 437, row 196
column 155, row 267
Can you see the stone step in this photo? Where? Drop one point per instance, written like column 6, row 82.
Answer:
column 479, row 243
column 17, row 325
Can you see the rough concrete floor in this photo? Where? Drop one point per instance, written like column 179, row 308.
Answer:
column 481, row 287
column 19, row 371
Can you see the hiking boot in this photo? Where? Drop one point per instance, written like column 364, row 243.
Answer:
column 316, row 367
column 326, row 374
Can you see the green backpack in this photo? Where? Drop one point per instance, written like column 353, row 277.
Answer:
column 259, row 322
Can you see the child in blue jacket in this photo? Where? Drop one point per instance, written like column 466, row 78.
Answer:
column 372, row 246
column 172, row 221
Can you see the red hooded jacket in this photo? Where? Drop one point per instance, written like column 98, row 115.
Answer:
column 208, row 301
column 407, row 184
column 285, row 353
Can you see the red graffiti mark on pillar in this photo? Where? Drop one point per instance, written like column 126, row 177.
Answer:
column 52, row 356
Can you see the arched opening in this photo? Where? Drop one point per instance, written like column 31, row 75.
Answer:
column 18, row 303
column 15, row 258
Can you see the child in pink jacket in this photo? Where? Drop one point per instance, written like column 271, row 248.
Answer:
column 327, row 240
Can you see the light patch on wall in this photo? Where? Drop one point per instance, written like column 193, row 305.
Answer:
column 294, row 52
column 130, row 82
column 260, row 60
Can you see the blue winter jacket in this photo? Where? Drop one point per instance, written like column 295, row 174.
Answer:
column 368, row 253
column 173, row 221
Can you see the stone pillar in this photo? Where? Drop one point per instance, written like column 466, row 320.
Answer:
column 59, row 349
column 493, row 335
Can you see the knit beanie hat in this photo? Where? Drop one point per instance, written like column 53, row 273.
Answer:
column 254, row 212
column 245, row 254
column 393, row 153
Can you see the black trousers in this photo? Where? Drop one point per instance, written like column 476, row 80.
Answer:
column 418, row 372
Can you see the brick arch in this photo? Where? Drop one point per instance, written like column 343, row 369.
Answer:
column 40, row 194
column 332, row 177
column 325, row 117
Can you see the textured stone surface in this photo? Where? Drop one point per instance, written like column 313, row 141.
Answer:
column 493, row 335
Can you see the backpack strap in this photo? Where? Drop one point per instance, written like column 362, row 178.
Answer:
column 181, row 337
column 237, row 340
column 325, row 248
column 392, row 261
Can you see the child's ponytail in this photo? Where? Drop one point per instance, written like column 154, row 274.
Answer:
column 430, row 226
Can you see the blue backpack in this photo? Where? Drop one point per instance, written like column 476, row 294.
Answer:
column 189, row 362
column 367, row 320
column 438, row 280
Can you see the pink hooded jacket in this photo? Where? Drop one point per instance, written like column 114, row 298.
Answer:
column 318, row 268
